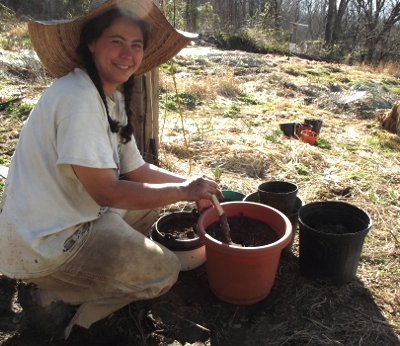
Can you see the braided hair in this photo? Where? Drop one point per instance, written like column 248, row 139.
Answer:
column 90, row 33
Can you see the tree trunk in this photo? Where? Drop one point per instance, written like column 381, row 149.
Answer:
column 330, row 19
column 190, row 17
column 337, row 26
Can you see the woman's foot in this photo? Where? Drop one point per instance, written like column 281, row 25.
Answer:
column 51, row 319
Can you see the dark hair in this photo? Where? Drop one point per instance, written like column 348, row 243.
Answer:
column 90, row 33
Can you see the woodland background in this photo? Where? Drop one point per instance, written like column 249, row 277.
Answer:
column 346, row 31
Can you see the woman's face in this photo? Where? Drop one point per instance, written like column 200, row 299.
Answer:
column 117, row 53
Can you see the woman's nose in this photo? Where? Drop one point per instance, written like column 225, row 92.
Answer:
column 126, row 51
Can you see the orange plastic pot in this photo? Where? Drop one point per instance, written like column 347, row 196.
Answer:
column 243, row 275
column 299, row 128
column 309, row 136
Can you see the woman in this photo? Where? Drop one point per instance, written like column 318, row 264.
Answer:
column 69, row 227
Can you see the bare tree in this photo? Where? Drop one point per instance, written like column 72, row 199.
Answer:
column 313, row 15
column 379, row 17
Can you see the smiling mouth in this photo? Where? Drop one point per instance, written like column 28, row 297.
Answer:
column 123, row 67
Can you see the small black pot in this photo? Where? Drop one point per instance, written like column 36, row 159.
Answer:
column 288, row 129
column 280, row 195
column 315, row 123
column 180, row 219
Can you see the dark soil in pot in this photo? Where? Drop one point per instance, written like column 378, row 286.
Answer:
column 332, row 228
column 245, row 231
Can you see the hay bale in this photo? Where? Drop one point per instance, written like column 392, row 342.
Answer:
column 390, row 121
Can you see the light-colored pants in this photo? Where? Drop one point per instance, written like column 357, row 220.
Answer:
column 115, row 266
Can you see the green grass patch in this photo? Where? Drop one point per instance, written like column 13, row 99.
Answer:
column 248, row 99
column 294, row 72
column 170, row 101
column 19, row 111
column 273, row 136
column 352, row 147
column 302, row 169
column 230, row 113
column 204, row 128
column 166, row 68
column 333, row 69
column 322, row 143
column 317, row 73
column 268, row 108
column 235, row 108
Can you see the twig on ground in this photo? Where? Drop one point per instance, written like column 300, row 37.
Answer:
column 318, row 323
column 185, row 319
column 139, row 327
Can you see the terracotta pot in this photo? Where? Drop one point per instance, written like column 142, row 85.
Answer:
column 191, row 252
column 243, row 275
column 309, row 136
column 302, row 127
column 292, row 216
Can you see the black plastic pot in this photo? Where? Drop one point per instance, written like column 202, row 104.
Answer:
column 292, row 216
column 315, row 123
column 331, row 239
column 288, row 129
column 280, row 195
column 174, row 220
column 190, row 252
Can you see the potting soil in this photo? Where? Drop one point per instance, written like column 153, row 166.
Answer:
column 181, row 232
column 245, row 231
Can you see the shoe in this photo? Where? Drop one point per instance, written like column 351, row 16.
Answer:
column 51, row 319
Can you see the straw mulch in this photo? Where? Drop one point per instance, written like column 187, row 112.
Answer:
column 299, row 311
column 354, row 170
column 390, row 121
column 361, row 167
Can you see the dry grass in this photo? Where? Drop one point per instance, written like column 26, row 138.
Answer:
column 390, row 68
column 206, row 87
column 362, row 167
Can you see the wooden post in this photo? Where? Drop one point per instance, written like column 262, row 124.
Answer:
column 145, row 115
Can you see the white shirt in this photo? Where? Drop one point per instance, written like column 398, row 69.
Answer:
column 43, row 201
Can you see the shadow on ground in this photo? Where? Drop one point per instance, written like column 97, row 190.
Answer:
column 296, row 312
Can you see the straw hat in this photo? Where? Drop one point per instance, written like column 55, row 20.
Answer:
column 55, row 42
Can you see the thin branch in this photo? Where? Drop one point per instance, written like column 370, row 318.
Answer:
column 193, row 323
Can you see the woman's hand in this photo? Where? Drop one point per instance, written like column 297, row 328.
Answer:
column 201, row 187
column 203, row 204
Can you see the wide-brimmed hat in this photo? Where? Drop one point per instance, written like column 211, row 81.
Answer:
column 55, row 42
